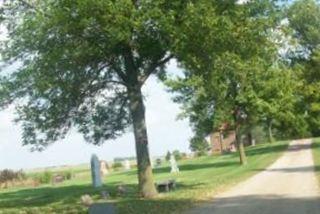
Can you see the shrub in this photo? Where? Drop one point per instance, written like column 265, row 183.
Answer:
column 45, row 177
column 117, row 165
column 177, row 154
column 7, row 175
column 199, row 145
column 68, row 175
column 168, row 156
column 259, row 134
column 184, row 155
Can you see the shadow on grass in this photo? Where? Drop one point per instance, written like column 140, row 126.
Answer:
column 279, row 148
column 262, row 204
column 252, row 151
column 43, row 196
column 265, row 150
column 131, row 203
column 293, row 169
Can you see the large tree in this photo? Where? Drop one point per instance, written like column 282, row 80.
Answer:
column 82, row 64
column 304, row 19
column 227, row 66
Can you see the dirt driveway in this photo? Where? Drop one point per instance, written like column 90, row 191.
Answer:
column 288, row 186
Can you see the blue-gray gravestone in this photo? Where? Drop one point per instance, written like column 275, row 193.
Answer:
column 95, row 171
column 102, row 209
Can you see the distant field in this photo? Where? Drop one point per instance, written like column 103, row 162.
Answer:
column 199, row 179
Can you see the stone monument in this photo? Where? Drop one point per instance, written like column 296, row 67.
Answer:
column 95, row 171
column 103, row 168
column 127, row 165
column 158, row 162
column 173, row 164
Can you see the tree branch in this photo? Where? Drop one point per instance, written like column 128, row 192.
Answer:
column 152, row 67
column 29, row 5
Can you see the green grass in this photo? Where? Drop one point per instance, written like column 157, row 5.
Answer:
column 198, row 180
column 316, row 156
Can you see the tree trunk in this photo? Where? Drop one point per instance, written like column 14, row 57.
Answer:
column 221, row 141
column 145, row 176
column 239, row 142
column 270, row 135
column 249, row 136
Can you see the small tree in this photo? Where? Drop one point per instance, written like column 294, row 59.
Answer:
column 199, row 145
column 177, row 154
column 168, row 155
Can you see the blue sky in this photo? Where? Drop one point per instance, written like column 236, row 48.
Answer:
column 165, row 133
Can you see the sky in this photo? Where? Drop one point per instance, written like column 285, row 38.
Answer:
column 165, row 133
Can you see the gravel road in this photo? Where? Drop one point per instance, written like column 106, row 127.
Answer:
column 288, row 186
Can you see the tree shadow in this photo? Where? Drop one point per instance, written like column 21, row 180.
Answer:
column 68, row 195
column 264, row 204
column 280, row 148
column 265, row 150
column 293, row 169
column 190, row 167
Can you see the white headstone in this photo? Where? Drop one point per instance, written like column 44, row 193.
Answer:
column 103, row 168
column 151, row 163
column 127, row 165
column 173, row 164
column 95, row 171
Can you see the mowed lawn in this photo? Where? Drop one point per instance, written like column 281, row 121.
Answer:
column 316, row 156
column 199, row 179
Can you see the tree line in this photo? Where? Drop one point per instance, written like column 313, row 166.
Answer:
column 82, row 64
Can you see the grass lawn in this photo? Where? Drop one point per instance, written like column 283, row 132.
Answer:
column 197, row 181
column 316, row 156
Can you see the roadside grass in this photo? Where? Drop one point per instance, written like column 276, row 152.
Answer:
column 199, row 179
column 316, row 156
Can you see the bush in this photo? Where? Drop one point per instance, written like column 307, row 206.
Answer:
column 177, row 155
column 45, row 177
column 68, row 175
column 168, row 156
column 8, row 175
column 259, row 135
column 199, row 145
column 117, row 165
column 184, row 155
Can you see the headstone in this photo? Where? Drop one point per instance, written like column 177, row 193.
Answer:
column 158, row 162
column 86, row 200
column 104, row 208
column 233, row 148
column 103, row 168
column 151, row 163
column 58, row 179
column 105, row 195
column 95, row 171
column 127, row 165
column 122, row 190
column 173, row 164
column 253, row 142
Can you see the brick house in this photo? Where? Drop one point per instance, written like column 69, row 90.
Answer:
column 222, row 141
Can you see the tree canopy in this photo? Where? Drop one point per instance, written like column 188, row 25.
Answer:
column 226, row 80
column 82, row 64
column 304, row 19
